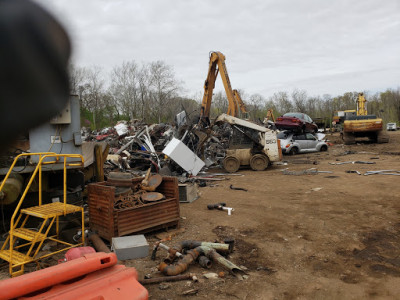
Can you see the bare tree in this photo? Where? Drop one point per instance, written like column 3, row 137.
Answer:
column 299, row 99
column 347, row 101
column 77, row 76
column 219, row 103
column 110, row 109
column 92, row 92
column 311, row 106
column 144, row 81
column 164, row 87
column 257, row 102
column 282, row 102
column 125, row 87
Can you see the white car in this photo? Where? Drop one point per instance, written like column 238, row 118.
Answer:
column 293, row 143
column 391, row 126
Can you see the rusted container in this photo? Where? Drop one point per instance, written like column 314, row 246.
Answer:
column 109, row 222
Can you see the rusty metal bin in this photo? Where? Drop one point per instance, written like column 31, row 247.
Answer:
column 109, row 222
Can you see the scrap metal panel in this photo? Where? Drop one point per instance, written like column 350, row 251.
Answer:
column 147, row 217
column 101, row 215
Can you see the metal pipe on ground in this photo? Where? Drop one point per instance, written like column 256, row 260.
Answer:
column 205, row 262
column 172, row 253
column 216, row 257
column 190, row 244
column 176, row 251
column 98, row 243
column 182, row 264
column 192, row 255
column 169, row 278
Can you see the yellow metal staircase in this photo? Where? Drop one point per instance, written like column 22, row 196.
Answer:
column 27, row 251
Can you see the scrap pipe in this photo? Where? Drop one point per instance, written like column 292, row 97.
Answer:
column 214, row 256
column 192, row 255
column 176, row 251
column 182, row 265
column 204, row 262
column 98, row 243
column 169, row 278
column 190, row 244
column 171, row 251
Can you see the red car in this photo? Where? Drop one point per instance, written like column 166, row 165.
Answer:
column 298, row 122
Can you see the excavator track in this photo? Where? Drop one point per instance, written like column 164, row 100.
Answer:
column 382, row 137
column 348, row 138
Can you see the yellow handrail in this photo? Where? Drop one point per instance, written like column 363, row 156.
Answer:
column 15, row 161
column 42, row 157
column 57, row 156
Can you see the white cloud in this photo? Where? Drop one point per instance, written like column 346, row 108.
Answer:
column 320, row 46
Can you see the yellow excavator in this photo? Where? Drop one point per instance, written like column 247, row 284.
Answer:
column 360, row 124
column 236, row 106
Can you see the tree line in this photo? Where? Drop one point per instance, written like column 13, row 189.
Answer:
column 150, row 92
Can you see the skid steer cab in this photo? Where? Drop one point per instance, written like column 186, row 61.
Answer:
column 250, row 145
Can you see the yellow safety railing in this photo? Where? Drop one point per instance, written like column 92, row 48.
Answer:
column 15, row 161
column 38, row 169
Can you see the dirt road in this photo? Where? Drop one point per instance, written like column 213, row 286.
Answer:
column 326, row 236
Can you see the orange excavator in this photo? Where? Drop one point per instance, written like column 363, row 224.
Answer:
column 235, row 103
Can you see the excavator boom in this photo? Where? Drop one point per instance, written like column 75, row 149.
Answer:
column 217, row 64
column 270, row 115
column 240, row 105
column 361, row 105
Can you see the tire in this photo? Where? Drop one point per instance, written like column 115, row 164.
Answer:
column 259, row 162
column 293, row 151
column 231, row 164
column 324, row 148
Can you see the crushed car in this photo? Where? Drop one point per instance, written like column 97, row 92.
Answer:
column 296, row 121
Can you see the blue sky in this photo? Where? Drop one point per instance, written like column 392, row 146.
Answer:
column 323, row 47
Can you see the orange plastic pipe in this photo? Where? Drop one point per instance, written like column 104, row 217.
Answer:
column 35, row 281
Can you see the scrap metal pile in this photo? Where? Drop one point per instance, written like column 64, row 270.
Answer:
column 128, row 195
column 135, row 146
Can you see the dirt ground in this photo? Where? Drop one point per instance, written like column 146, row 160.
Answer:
column 326, row 236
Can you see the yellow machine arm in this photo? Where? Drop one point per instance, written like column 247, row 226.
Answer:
column 240, row 105
column 217, row 62
column 270, row 115
column 361, row 105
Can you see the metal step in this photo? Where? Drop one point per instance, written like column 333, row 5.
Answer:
column 18, row 258
column 51, row 210
column 29, row 235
